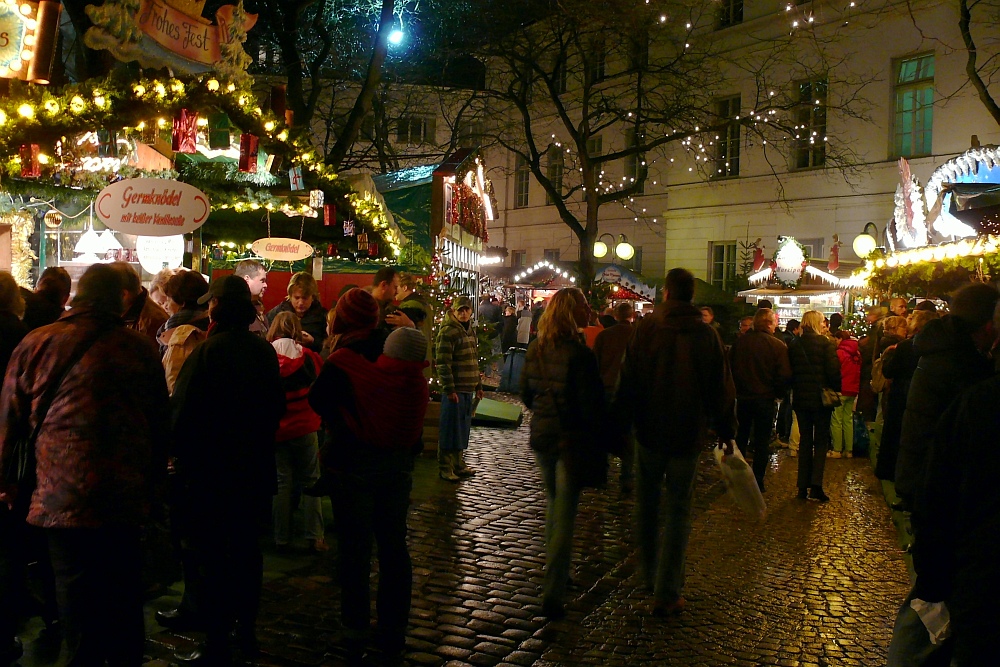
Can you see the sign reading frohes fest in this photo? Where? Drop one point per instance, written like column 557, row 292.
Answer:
column 152, row 207
column 192, row 37
column 282, row 250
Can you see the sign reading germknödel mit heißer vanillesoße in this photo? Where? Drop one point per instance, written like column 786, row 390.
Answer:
column 152, row 207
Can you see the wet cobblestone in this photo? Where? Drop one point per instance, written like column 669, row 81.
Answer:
column 812, row 584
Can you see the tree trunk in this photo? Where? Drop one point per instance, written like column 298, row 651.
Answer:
column 363, row 104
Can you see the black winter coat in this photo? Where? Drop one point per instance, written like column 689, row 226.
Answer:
column 563, row 389
column 898, row 366
column 956, row 522
column 227, row 404
column 313, row 322
column 509, row 336
column 949, row 363
column 815, row 366
column 12, row 330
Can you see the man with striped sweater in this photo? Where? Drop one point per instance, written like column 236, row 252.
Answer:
column 456, row 358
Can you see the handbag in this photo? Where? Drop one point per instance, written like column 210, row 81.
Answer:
column 831, row 398
column 21, row 471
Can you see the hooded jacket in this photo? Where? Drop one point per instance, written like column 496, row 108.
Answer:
column 299, row 368
column 850, row 366
column 676, row 381
column 949, row 363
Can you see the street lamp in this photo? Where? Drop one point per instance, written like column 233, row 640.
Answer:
column 396, row 37
column 865, row 243
column 623, row 249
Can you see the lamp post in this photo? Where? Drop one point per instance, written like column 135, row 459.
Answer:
column 623, row 249
column 865, row 243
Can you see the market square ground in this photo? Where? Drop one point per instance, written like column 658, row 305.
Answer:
column 814, row 584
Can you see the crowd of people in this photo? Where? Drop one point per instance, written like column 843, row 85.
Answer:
column 190, row 406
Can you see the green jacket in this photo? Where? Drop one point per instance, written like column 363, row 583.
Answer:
column 456, row 357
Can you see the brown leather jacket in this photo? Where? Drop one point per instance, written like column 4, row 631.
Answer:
column 145, row 316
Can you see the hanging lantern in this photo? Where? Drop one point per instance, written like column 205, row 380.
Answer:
column 248, row 153
column 107, row 143
column 348, row 228
column 219, row 138
column 329, row 215
column 53, row 219
column 185, row 135
column 30, row 166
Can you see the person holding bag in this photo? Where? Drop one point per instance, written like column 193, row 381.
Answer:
column 562, row 385
column 815, row 381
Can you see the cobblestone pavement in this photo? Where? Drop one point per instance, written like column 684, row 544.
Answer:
column 813, row 584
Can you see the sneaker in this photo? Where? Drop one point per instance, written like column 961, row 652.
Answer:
column 832, row 454
column 449, row 476
column 662, row 609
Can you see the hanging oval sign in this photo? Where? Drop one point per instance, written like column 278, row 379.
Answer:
column 282, row 250
column 152, row 207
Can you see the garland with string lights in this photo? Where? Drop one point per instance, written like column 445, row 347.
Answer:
column 40, row 119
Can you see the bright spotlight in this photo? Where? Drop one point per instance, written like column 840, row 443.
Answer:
column 396, row 37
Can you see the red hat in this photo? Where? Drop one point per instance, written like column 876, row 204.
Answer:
column 357, row 310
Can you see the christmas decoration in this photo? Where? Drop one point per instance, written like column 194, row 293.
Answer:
column 362, row 242
column 30, row 165
column 219, row 138
column 348, row 227
column 373, row 249
column 107, row 143
column 295, row 179
column 248, row 153
column 315, row 198
column 330, row 215
column 834, row 262
column 185, row 134
column 21, row 226
column 908, row 217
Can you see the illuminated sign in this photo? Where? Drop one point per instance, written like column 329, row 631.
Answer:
column 17, row 27
column 284, row 250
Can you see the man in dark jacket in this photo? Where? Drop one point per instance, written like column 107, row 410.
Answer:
column 761, row 373
column 953, row 355
column 100, row 452
column 675, row 380
column 228, row 402
column 255, row 273
column 609, row 348
column 959, row 521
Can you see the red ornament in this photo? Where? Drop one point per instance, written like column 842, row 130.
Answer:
column 185, row 136
column 329, row 215
column 30, row 167
column 248, row 153
column 373, row 249
column 447, row 302
column 446, row 281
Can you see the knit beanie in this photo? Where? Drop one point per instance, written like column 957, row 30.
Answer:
column 406, row 344
column 356, row 310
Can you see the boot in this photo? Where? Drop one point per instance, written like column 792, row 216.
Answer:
column 460, row 468
column 446, row 466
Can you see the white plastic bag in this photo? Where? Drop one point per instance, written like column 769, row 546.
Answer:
column 935, row 618
column 740, row 481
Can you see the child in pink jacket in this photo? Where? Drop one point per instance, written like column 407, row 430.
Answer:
column 842, row 421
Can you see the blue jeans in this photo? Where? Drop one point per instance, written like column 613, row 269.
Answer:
column 456, row 422
column 560, row 514
column 662, row 556
column 298, row 466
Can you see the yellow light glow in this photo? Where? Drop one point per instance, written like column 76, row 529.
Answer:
column 161, row 122
column 43, row 158
column 159, row 89
column 141, row 126
column 26, row 54
column 242, row 101
column 202, row 122
column 26, row 111
column 15, row 66
column 77, row 104
column 879, row 263
column 139, row 90
column 51, row 106
column 283, row 136
column 29, row 40
column 3, row 118
column 231, row 87
column 212, row 84
column 25, row 9
column 177, row 87
column 99, row 101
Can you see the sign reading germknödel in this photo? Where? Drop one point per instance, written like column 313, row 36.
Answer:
column 283, row 250
column 152, row 207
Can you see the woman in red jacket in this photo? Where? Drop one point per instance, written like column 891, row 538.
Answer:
column 842, row 422
column 297, row 447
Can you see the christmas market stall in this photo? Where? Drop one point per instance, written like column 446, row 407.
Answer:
column 794, row 283
column 196, row 168
column 626, row 286
column 943, row 235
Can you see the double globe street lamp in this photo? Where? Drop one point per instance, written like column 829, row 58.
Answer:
column 623, row 249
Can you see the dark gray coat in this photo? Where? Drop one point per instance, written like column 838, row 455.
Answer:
column 815, row 366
